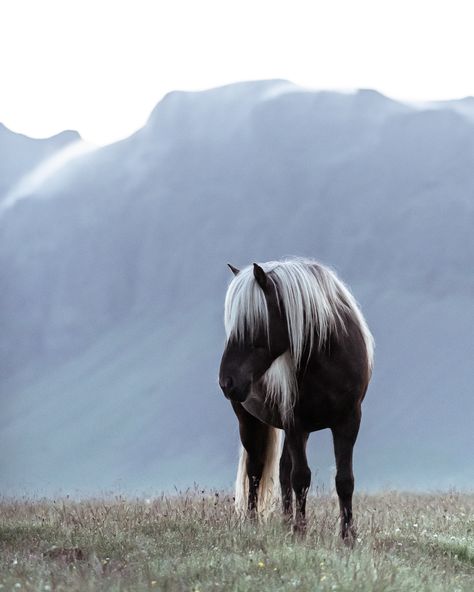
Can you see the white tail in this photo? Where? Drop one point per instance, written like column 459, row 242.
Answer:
column 268, row 495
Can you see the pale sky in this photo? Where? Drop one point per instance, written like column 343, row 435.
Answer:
column 100, row 66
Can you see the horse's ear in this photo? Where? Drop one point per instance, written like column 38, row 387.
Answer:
column 260, row 276
column 233, row 269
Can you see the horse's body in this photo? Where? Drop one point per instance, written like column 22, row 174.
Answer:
column 298, row 359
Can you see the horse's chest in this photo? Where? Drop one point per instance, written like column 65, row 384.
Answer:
column 256, row 406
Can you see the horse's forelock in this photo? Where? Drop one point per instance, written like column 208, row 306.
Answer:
column 245, row 310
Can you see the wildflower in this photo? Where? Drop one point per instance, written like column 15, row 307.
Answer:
column 153, row 582
column 261, row 564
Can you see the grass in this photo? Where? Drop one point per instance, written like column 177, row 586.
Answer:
column 195, row 542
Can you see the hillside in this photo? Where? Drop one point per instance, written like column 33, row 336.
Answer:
column 114, row 278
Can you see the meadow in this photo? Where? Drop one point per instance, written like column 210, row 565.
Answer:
column 194, row 542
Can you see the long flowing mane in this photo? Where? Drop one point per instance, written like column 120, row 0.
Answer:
column 315, row 301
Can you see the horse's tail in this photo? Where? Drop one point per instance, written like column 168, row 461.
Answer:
column 268, row 495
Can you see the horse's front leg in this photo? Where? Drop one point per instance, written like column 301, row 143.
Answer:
column 300, row 474
column 345, row 435
column 253, row 435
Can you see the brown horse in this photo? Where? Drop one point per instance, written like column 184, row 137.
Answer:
column 298, row 358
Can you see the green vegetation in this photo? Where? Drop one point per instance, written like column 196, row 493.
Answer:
column 195, row 542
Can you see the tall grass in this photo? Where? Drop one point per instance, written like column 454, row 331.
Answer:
column 195, row 542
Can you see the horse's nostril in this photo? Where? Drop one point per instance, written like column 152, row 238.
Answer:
column 226, row 383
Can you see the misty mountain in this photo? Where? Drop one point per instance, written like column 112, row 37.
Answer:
column 113, row 277
column 20, row 154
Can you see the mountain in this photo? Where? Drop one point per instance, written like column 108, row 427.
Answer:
column 113, row 278
column 20, row 154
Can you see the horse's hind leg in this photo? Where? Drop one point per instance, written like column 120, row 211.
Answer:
column 344, row 436
column 285, row 482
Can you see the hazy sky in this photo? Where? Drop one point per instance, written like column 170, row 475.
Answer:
column 100, row 66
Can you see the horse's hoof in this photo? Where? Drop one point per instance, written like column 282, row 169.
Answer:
column 252, row 515
column 299, row 528
column 349, row 536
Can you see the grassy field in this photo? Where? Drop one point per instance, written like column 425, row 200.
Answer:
column 194, row 542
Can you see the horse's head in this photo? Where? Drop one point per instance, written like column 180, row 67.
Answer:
column 256, row 328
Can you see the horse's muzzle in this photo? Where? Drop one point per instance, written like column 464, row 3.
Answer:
column 232, row 391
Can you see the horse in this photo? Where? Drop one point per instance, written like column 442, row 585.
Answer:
column 298, row 358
